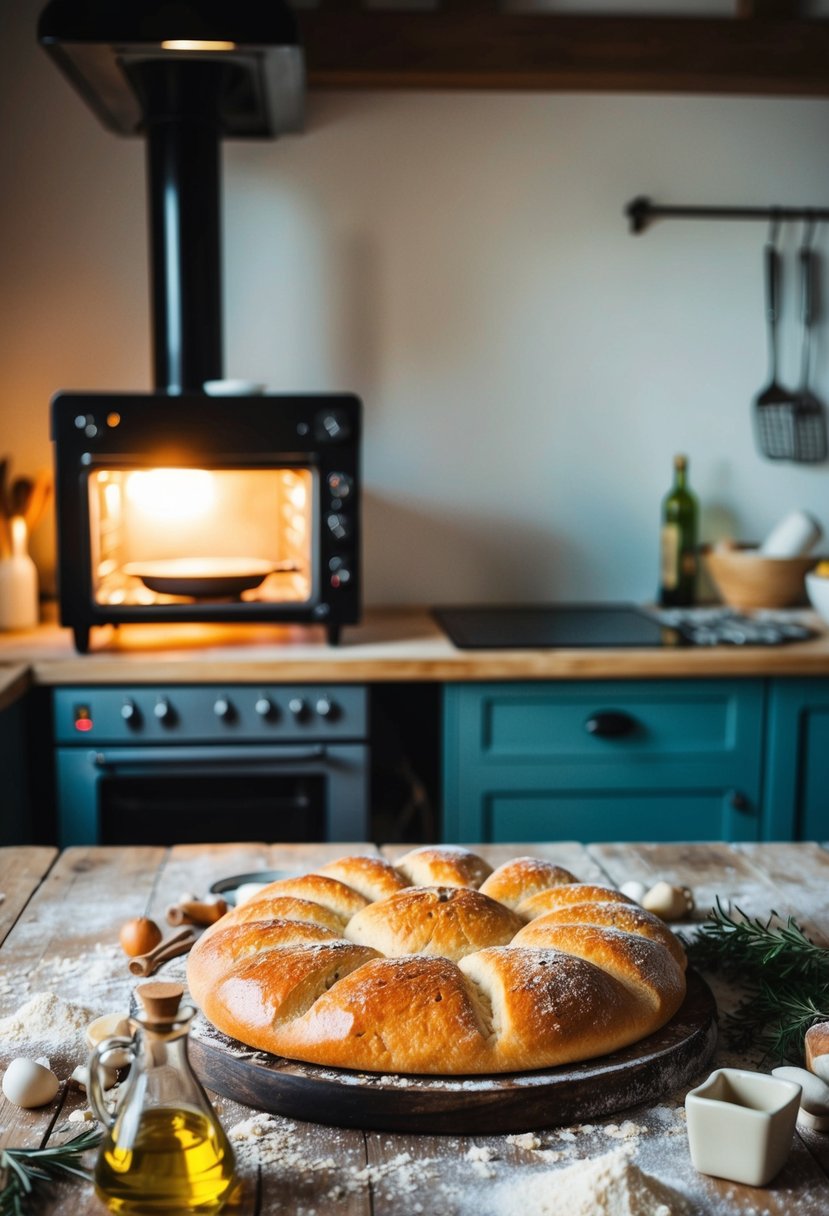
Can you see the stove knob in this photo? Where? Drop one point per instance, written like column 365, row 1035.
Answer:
column 223, row 709
column 332, row 425
column 326, row 708
column 265, row 708
column 298, row 708
column 131, row 713
column 164, row 711
column 339, row 525
column 340, row 485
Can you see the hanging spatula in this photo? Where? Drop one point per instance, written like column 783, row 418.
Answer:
column 809, row 420
column 774, row 408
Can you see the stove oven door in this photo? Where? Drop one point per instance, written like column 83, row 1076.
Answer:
column 193, row 794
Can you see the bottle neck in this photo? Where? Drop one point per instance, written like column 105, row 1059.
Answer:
column 680, row 477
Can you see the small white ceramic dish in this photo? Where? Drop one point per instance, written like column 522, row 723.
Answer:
column 740, row 1125
column 817, row 589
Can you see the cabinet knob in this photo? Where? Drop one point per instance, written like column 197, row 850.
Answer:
column 610, row 724
column 739, row 802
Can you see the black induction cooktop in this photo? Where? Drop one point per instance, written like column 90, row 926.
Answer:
column 557, row 626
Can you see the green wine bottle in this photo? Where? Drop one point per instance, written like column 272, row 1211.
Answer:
column 678, row 541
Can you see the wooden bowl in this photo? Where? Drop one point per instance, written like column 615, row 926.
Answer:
column 747, row 579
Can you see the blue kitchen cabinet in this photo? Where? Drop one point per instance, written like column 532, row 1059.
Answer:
column 603, row 760
column 797, row 761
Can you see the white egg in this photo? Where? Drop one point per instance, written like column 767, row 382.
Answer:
column 27, row 1083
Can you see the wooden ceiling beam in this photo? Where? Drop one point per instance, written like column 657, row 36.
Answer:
column 460, row 48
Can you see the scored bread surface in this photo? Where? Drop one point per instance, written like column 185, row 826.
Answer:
column 438, row 965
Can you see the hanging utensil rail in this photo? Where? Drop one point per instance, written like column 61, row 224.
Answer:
column 641, row 212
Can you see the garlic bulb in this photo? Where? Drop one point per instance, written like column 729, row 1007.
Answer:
column 668, row 902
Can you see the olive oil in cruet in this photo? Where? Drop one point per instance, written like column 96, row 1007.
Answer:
column 164, row 1150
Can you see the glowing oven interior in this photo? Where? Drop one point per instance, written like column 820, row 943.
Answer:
column 177, row 535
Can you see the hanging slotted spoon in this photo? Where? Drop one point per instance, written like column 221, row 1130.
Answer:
column 809, row 421
column 774, row 407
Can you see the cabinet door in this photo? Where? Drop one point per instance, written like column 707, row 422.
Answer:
column 796, row 804
column 632, row 760
column 617, row 815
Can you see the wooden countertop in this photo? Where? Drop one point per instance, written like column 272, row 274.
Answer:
column 58, row 928
column 397, row 644
column 15, row 680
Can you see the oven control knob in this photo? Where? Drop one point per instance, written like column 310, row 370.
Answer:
column 326, row 708
column 339, row 525
column 298, row 708
column 265, row 708
column 164, row 711
column 340, row 485
column 131, row 713
column 332, row 425
column 223, row 709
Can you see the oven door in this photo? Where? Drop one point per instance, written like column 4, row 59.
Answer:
column 193, row 794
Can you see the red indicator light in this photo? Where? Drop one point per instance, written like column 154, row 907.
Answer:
column 83, row 724
column 83, row 718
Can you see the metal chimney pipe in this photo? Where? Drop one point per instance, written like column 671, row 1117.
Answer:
column 184, row 74
column 183, row 138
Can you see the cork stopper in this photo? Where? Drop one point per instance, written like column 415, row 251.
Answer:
column 161, row 1000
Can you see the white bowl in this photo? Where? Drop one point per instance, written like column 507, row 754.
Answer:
column 817, row 589
column 740, row 1125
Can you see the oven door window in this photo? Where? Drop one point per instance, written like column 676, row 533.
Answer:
column 167, row 809
column 181, row 535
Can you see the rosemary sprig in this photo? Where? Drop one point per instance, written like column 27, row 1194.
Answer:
column 22, row 1169
column 785, row 976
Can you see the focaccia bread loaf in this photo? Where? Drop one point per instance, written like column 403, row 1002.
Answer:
column 469, row 971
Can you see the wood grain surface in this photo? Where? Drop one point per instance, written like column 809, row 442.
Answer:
column 65, row 939
column 390, row 644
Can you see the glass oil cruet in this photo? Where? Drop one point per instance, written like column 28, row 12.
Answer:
column 164, row 1150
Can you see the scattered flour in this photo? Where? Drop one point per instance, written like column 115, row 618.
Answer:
column 610, row 1185
column 272, row 1143
column 46, row 1019
column 525, row 1140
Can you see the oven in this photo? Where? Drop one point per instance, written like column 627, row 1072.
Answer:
column 199, row 508
column 194, row 763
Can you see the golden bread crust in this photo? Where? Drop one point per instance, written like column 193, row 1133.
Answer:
column 372, row 877
column 438, row 978
column 448, row 922
column 629, row 917
column 561, row 896
column 516, row 880
column 443, row 866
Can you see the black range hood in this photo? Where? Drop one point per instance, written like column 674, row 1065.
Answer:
column 183, row 75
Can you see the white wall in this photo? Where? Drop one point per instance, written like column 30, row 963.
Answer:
column 462, row 261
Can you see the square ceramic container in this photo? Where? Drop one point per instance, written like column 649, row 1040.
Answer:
column 740, row 1125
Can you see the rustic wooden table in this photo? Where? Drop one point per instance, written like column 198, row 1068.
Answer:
column 59, row 918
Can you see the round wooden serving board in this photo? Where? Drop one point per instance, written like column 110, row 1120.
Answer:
column 509, row 1102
